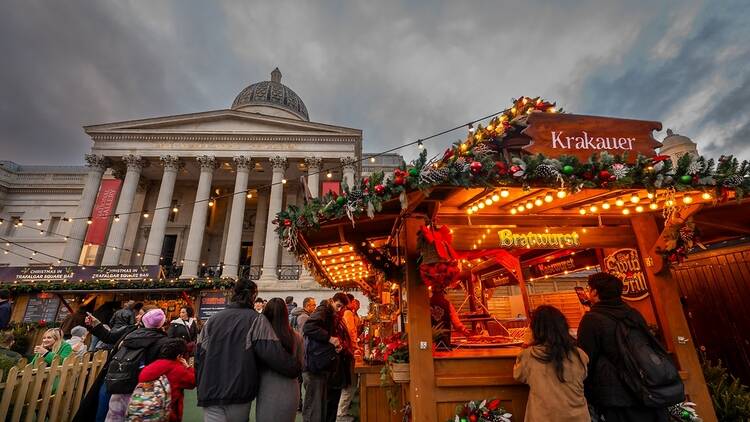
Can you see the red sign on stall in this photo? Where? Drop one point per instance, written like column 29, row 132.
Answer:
column 103, row 208
column 334, row 187
column 626, row 265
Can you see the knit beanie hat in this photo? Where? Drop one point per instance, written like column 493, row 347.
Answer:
column 78, row 331
column 154, row 318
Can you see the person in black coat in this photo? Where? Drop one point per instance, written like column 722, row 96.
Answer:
column 5, row 308
column 185, row 327
column 323, row 389
column 94, row 405
column 597, row 336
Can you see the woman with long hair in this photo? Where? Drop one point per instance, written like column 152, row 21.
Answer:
column 51, row 347
column 273, row 386
column 554, row 368
column 185, row 326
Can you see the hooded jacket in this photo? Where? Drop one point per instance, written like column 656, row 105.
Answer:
column 122, row 318
column 186, row 330
column 597, row 336
column 149, row 339
column 231, row 348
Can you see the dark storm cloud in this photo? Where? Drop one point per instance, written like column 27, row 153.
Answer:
column 399, row 71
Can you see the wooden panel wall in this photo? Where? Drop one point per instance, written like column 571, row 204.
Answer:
column 567, row 302
column 715, row 288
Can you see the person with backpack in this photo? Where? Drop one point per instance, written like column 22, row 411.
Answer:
column 300, row 315
column 554, row 369
column 95, row 404
column 631, row 376
column 137, row 349
column 231, row 349
column 150, row 397
column 272, row 384
column 327, row 357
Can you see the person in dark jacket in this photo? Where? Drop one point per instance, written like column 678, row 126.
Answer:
column 75, row 319
column 597, row 337
column 231, row 347
column 124, row 316
column 149, row 337
column 323, row 389
column 185, row 327
column 95, row 404
column 4, row 308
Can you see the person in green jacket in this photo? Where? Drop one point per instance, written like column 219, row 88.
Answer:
column 51, row 347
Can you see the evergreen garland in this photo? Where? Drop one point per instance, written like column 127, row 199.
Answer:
column 36, row 287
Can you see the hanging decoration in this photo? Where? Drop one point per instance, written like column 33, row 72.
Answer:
column 488, row 410
column 681, row 240
column 438, row 264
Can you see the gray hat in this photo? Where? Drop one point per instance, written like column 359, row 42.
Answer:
column 78, row 331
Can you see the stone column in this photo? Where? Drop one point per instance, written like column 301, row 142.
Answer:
column 171, row 164
column 271, row 250
column 259, row 230
column 348, row 165
column 124, row 206
column 198, row 220
column 97, row 165
column 234, row 236
column 313, row 175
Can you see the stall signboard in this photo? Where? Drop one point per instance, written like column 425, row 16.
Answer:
column 496, row 278
column 555, row 135
column 563, row 265
column 57, row 274
column 211, row 303
column 41, row 307
column 626, row 265
column 534, row 240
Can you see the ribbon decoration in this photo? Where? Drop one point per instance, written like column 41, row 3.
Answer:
column 442, row 239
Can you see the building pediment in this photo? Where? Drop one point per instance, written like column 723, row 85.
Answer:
column 220, row 122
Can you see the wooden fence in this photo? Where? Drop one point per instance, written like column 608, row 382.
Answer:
column 30, row 393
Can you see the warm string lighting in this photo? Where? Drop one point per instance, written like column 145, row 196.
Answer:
column 486, row 201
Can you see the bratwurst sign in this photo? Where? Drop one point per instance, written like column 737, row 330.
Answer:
column 554, row 134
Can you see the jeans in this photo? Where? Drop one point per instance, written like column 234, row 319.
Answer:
column 103, row 405
column 228, row 413
column 345, row 403
column 314, row 403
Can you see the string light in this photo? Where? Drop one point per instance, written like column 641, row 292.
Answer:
column 513, row 211
column 538, row 202
column 495, row 197
column 687, row 199
column 606, row 206
column 653, row 206
column 420, row 145
column 40, row 222
column 329, row 175
column 117, row 218
column 372, row 159
column 619, row 202
column 211, row 202
column 283, row 181
column 706, row 196
column 89, row 221
column 548, row 198
column 488, row 201
column 504, row 193
column 635, row 199
column 582, row 211
column 249, row 196
column 625, row 211
column 175, row 209
column 593, row 208
column 561, row 194
column 145, row 215
column 639, row 209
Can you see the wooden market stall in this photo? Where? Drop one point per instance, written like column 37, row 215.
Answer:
column 532, row 202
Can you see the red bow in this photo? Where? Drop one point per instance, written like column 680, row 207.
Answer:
column 442, row 239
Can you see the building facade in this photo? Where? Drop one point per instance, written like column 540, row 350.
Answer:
column 196, row 193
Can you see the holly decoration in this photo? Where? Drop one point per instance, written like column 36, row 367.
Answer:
column 379, row 189
column 682, row 239
column 481, row 411
column 604, row 175
column 475, row 167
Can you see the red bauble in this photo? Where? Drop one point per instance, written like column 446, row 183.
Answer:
column 399, row 180
column 366, row 181
column 604, row 175
column 475, row 167
column 379, row 189
column 287, row 222
column 473, row 418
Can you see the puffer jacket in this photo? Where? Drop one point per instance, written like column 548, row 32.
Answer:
column 231, row 348
column 597, row 336
column 150, row 339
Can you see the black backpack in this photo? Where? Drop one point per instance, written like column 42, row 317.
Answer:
column 646, row 368
column 123, row 371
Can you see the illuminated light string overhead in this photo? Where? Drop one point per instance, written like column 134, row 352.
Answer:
column 327, row 171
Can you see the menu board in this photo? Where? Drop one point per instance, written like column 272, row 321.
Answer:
column 41, row 307
column 62, row 313
column 211, row 303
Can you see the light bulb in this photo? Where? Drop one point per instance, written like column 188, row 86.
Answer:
column 117, row 218
column 175, row 209
column 145, row 214
column 653, row 205
column 639, row 209
column 504, row 193
column 283, row 181
column 561, row 194
column 495, row 197
column 582, row 211
column 593, row 208
column 469, row 211
column 548, row 198
column 480, row 205
column 625, row 211
column 538, row 202
column 475, row 208
column 619, row 202
column 635, row 199
column 706, row 196
column 488, row 201
column 513, row 211
column 687, row 199
column 529, row 205
column 606, row 206
column 329, row 175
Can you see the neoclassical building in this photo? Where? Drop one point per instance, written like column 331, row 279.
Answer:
column 197, row 193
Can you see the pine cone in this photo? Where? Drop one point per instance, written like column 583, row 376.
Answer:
column 733, row 181
column 686, row 234
column 433, row 176
column 546, row 171
column 695, row 167
column 620, row 171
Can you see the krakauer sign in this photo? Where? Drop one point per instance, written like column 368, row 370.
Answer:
column 554, row 135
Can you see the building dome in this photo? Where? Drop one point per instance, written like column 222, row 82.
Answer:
column 676, row 146
column 272, row 94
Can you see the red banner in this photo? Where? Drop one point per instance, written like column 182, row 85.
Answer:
column 103, row 208
column 334, row 187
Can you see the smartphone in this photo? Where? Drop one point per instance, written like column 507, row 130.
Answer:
column 583, row 297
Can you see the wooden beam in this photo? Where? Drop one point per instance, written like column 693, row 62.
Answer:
column 722, row 225
column 666, row 296
column 421, row 364
column 479, row 219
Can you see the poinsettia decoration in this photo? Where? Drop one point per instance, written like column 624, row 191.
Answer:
column 488, row 410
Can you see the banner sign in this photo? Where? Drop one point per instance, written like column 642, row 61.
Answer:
column 334, row 187
column 564, row 264
column 58, row 274
column 626, row 265
column 509, row 239
column 103, row 208
column 211, row 303
column 42, row 307
column 496, row 278
column 556, row 134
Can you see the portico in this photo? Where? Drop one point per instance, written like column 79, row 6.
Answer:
column 201, row 190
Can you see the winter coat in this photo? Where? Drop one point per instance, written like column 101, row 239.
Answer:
column 5, row 311
column 78, row 345
column 550, row 399
column 186, row 330
column 231, row 348
column 179, row 377
column 323, row 324
column 150, row 339
column 597, row 336
column 63, row 351
column 298, row 317
column 122, row 318
column 87, row 409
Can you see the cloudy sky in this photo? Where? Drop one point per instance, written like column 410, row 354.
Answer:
column 397, row 70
